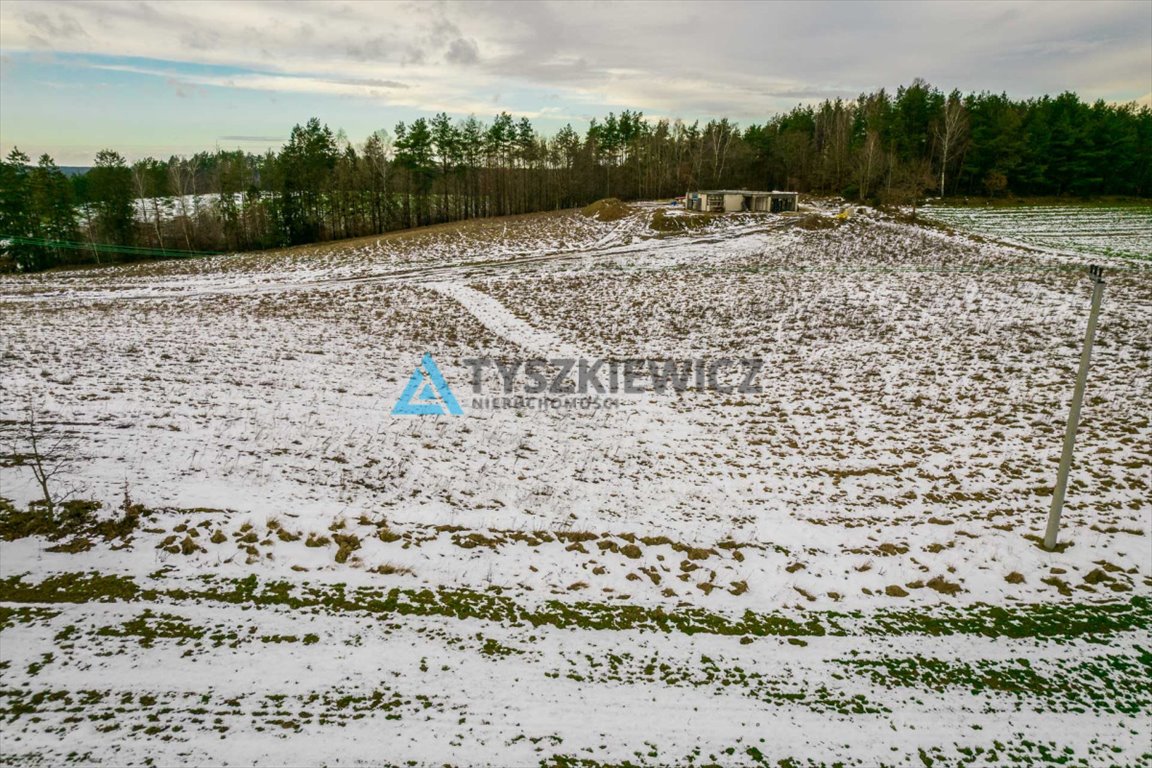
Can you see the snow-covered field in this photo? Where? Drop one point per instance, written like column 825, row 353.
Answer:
column 842, row 569
column 1102, row 230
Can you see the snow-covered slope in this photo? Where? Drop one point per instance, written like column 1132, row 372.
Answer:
column 840, row 568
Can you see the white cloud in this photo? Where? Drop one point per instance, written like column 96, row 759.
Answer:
column 692, row 59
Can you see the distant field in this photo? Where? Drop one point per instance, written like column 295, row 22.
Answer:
column 1087, row 230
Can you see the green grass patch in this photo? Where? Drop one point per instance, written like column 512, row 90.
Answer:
column 1091, row 621
column 1108, row 683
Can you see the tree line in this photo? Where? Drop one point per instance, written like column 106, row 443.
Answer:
column 881, row 147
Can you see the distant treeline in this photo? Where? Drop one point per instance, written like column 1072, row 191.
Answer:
column 881, row 147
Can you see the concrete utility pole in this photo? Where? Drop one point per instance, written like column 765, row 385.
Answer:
column 1097, row 275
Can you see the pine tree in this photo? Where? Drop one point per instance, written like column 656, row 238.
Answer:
column 16, row 219
column 53, row 211
column 113, row 197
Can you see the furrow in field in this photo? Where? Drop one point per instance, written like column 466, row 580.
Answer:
column 499, row 320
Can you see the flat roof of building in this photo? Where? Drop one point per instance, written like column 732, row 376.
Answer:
column 741, row 192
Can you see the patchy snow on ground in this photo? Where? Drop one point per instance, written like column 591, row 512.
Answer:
column 1103, row 230
column 840, row 569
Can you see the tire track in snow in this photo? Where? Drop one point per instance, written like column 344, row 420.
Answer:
column 499, row 320
column 610, row 246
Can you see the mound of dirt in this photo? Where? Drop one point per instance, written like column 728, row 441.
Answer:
column 684, row 222
column 814, row 221
column 608, row 209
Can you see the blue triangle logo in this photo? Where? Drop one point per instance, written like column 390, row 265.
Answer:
column 435, row 397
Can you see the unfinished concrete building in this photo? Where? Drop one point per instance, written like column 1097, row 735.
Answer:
column 735, row 200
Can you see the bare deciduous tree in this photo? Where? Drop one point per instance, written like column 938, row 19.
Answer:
column 951, row 132
column 48, row 450
column 182, row 180
column 907, row 183
column 871, row 160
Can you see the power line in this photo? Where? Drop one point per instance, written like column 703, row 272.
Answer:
column 135, row 250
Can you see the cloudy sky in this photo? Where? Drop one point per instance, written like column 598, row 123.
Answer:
column 176, row 77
